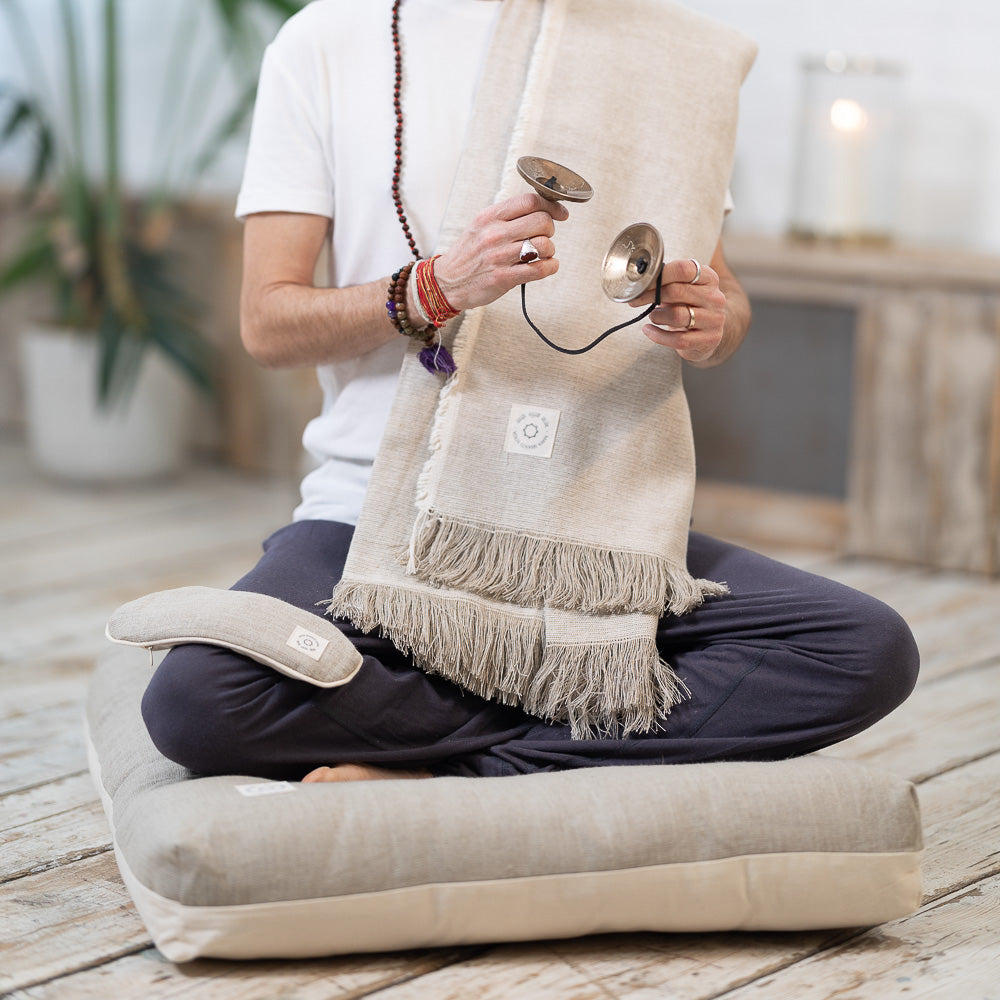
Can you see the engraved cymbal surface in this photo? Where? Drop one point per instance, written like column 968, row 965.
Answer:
column 632, row 262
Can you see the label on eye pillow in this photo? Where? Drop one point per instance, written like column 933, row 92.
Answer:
column 531, row 430
column 307, row 642
column 265, row 788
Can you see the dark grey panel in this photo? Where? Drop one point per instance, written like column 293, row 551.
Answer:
column 777, row 414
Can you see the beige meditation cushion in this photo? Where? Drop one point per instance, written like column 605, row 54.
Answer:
column 238, row 867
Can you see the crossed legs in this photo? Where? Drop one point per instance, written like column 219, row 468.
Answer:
column 787, row 664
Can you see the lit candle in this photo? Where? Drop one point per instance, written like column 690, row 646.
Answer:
column 848, row 120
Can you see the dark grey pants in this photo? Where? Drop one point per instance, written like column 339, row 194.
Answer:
column 787, row 664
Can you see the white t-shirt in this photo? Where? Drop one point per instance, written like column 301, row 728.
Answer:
column 322, row 143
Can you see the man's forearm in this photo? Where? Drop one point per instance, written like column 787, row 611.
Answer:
column 285, row 320
column 291, row 325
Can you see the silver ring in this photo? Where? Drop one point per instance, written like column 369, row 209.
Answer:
column 529, row 252
column 694, row 280
column 690, row 325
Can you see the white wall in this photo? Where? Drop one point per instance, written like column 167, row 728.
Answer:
column 950, row 183
column 952, row 151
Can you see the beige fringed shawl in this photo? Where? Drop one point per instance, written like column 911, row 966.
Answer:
column 527, row 523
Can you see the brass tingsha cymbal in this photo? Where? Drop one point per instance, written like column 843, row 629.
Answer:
column 554, row 181
column 632, row 262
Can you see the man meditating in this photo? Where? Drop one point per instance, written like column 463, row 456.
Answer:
column 516, row 566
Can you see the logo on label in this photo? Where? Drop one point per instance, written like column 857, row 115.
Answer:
column 531, row 430
column 307, row 642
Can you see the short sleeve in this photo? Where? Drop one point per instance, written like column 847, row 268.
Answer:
column 289, row 165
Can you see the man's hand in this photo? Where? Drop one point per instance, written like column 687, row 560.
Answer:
column 702, row 316
column 485, row 261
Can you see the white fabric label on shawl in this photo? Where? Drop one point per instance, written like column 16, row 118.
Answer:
column 531, row 430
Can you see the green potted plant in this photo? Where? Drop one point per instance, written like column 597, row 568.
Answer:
column 122, row 343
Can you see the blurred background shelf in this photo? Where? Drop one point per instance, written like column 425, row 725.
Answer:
column 870, row 380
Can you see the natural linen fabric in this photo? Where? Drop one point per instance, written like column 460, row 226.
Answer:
column 274, row 632
column 539, row 579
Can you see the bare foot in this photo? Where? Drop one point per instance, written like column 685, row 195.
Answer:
column 362, row 772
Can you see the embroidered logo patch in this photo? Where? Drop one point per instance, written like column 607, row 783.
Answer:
column 531, row 430
column 307, row 642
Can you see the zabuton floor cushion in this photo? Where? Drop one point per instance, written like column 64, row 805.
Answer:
column 237, row 867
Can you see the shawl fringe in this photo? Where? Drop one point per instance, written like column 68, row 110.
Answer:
column 485, row 650
column 528, row 570
column 608, row 689
column 617, row 687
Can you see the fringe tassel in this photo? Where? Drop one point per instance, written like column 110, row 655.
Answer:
column 612, row 688
column 510, row 566
column 487, row 652
column 606, row 690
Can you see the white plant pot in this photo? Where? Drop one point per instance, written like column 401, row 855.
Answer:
column 71, row 437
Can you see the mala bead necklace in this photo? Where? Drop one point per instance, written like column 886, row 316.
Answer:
column 397, row 104
column 437, row 310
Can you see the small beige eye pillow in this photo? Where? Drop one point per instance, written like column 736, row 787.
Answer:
column 270, row 631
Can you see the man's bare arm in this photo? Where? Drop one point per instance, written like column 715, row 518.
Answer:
column 285, row 321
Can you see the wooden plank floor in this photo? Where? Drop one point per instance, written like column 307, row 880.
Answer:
column 68, row 929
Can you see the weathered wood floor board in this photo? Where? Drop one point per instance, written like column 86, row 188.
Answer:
column 148, row 975
column 40, row 747
column 961, row 827
column 68, row 929
column 950, row 948
column 64, row 919
column 50, row 825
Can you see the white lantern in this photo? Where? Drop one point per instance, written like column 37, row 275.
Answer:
column 848, row 157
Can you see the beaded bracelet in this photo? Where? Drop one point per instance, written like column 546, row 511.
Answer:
column 432, row 300
column 396, row 306
column 434, row 356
